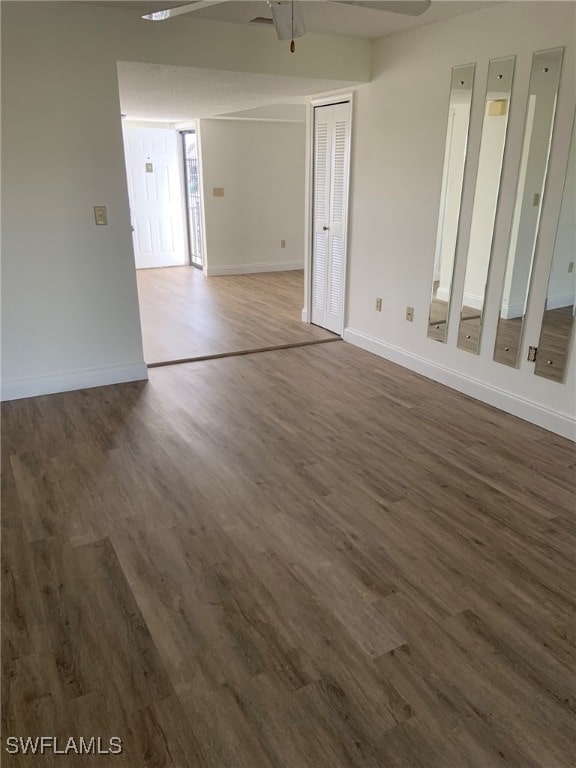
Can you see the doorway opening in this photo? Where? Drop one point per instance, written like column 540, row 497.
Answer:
column 193, row 192
column 329, row 179
column 230, row 205
column 156, row 194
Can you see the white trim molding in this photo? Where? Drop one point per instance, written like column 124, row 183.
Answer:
column 16, row 389
column 554, row 421
column 558, row 302
column 470, row 301
column 335, row 97
column 512, row 311
column 248, row 269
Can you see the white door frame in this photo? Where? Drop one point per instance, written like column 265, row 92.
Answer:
column 324, row 101
column 183, row 198
column 151, row 127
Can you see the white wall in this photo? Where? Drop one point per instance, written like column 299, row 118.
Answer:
column 562, row 285
column 399, row 136
column 261, row 167
column 485, row 203
column 452, row 175
column 70, row 308
column 536, row 144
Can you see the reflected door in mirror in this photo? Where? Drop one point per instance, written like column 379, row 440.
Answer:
column 558, row 318
column 538, row 131
column 492, row 145
column 462, row 80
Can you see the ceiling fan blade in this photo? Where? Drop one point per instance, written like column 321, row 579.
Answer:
column 287, row 15
column 404, row 7
column 288, row 20
column 169, row 13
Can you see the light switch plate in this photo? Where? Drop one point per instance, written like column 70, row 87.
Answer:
column 410, row 314
column 378, row 305
column 100, row 215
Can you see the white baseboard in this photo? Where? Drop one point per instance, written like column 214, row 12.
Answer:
column 305, row 315
column 554, row 421
column 15, row 389
column 512, row 311
column 556, row 302
column 471, row 301
column 443, row 294
column 247, row 269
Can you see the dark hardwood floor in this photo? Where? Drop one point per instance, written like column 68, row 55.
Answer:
column 309, row 558
column 187, row 315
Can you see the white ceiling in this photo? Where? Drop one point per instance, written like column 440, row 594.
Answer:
column 176, row 94
column 319, row 15
column 179, row 94
column 289, row 113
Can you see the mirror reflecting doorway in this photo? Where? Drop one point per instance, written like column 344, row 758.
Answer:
column 533, row 172
column 486, row 196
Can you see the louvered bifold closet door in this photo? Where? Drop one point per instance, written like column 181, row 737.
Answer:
column 331, row 179
column 321, row 212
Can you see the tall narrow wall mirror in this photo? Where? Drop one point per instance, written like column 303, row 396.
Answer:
column 456, row 146
column 558, row 319
column 538, row 130
column 492, row 145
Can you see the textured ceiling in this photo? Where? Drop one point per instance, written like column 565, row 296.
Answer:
column 176, row 94
column 319, row 15
column 291, row 113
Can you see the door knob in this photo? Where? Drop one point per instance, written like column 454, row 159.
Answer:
column 325, row 228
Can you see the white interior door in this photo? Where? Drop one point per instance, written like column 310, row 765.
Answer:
column 330, row 214
column 153, row 170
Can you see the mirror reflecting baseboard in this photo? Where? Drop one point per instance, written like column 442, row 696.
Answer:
column 538, row 132
column 486, row 196
column 460, row 101
column 557, row 330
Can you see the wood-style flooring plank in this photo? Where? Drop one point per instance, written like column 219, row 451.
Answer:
column 185, row 314
column 308, row 558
